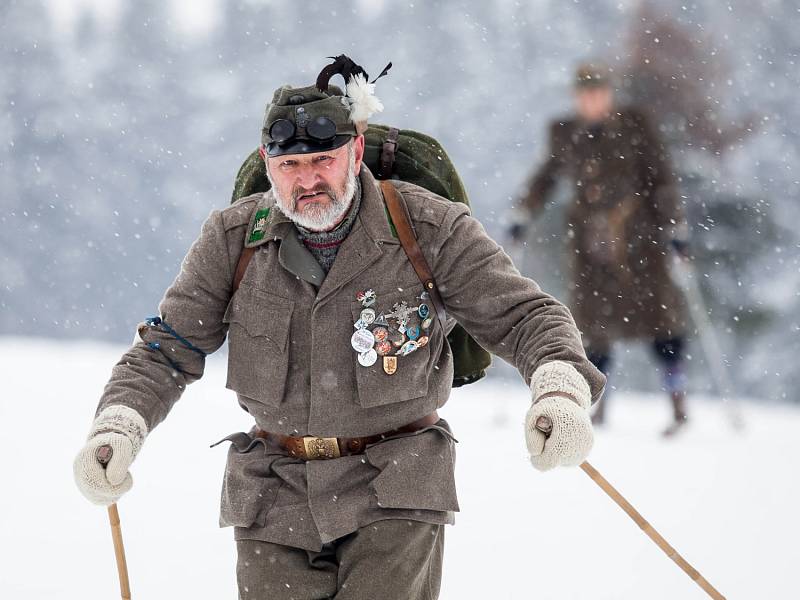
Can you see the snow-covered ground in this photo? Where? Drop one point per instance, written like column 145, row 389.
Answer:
column 727, row 502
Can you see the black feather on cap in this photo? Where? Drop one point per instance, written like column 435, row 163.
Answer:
column 343, row 65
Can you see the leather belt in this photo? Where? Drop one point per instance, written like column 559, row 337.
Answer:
column 311, row 447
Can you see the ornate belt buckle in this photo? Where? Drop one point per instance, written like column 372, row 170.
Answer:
column 317, row 447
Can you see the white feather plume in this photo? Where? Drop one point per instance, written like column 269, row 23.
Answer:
column 363, row 101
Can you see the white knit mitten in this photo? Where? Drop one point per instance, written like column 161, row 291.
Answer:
column 562, row 395
column 124, row 430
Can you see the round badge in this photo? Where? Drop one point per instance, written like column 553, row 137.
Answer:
column 423, row 311
column 426, row 324
column 380, row 333
column 397, row 338
column 408, row 348
column 362, row 340
column 368, row 358
column 412, row 333
column 422, row 341
column 383, row 347
column 368, row 316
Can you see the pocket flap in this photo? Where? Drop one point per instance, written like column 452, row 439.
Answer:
column 249, row 489
column 416, row 472
column 261, row 315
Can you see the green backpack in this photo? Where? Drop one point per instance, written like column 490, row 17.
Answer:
column 415, row 158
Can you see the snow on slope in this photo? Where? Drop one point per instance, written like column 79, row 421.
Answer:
column 727, row 502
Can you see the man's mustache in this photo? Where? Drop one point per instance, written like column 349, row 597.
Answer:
column 299, row 192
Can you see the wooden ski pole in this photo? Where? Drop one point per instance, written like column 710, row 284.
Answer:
column 544, row 425
column 103, row 456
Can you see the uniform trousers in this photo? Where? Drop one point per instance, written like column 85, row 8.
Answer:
column 394, row 559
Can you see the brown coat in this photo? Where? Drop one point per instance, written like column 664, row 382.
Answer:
column 625, row 211
column 293, row 369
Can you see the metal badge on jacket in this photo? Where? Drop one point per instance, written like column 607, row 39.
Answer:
column 393, row 334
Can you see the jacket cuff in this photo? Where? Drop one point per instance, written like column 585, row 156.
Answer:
column 559, row 378
column 123, row 420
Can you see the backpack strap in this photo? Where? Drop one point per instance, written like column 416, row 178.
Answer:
column 388, row 151
column 398, row 211
column 241, row 267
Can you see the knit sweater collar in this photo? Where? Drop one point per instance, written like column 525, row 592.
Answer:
column 324, row 244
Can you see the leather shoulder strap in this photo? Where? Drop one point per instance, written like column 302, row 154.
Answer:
column 388, row 152
column 241, row 267
column 398, row 211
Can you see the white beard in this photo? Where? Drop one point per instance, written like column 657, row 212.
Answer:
column 321, row 217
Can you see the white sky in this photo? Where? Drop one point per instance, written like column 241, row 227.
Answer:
column 190, row 17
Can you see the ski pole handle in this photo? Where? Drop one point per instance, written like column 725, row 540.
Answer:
column 103, row 455
column 543, row 424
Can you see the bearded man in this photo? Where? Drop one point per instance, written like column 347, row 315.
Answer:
column 344, row 484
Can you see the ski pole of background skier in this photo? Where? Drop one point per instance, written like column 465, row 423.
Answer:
column 103, row 456
column 685, row 274
column 544, row 425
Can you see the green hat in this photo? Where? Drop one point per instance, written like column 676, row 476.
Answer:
column 319, row 117
column 592, row 75
column 306, row 120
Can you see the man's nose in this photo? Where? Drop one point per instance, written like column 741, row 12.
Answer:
column 307, row 177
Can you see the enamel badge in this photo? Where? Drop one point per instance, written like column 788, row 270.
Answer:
column 368, row 358
column 391, row 335
column 390, row 365
column 362, row 340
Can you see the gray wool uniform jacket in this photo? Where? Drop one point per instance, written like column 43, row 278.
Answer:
column 293, row 369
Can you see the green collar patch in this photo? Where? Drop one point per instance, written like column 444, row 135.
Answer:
column 259, row 225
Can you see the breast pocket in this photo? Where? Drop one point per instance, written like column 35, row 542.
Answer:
column 258, row 330
column 396, row 375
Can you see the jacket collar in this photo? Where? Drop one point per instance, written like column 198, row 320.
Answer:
column 268, row 223
column 373, row 214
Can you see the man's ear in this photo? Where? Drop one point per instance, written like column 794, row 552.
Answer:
column 358, row 149
column 262, row 153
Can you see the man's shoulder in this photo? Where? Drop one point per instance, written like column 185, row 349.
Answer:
column 238, row 214
column 426, row 206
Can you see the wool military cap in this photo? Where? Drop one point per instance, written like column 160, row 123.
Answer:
column 305, row 120
column 592, row 75
column 320, row 117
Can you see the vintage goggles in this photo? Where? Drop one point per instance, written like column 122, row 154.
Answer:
column 321, row 129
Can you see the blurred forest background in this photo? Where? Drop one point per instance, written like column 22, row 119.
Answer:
column 123, row 124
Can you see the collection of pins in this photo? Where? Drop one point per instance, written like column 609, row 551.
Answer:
column 389, row 335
